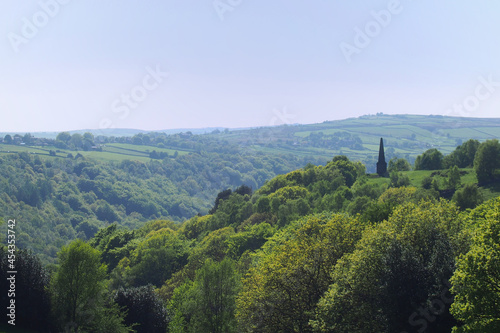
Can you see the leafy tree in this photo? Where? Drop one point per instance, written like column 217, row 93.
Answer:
column 289, row 193
column 244, row 190
column 358, row 205
column 144, row 308
column 64, row 137
column 377, row 211
column 476, row 281
column 263, row 204
column 398, row 195
column 157, row 257
column 487, row 160
column 208, row 304
column 427, row 183
column 362, row 188
column 251, row 239
column 350, row 171
column 293, row 272
column 395, row 275
column 398, row 179
column 88, row 141
column 78, row 291
column 8, row 139
column 463, row 155
column 217, row 284
column 431, row 159
column 453, row 180
column 28, row 139
column 104, row 212
column 398, row 164
column 76, row 141
column 468, row 197
column 224, row 195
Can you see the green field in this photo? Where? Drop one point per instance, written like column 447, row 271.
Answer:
column 115, row 152
column 143, row 149
column 468, row 176
column 405, row 136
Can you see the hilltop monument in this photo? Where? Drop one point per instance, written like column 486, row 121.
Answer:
column 381, row 164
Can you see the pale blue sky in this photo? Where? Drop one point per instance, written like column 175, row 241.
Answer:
column 264, row 63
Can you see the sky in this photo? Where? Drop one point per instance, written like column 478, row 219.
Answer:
column 165, row 64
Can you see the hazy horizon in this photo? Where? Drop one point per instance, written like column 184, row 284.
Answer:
column 212, row 128
column 68, row 65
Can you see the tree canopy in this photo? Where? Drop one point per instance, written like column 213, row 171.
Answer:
column 487, row 161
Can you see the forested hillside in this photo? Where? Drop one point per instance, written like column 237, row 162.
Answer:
column 58, row 199
column 319, row 249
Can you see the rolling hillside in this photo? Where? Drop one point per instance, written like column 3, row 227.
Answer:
column 358, row 138
column 404, row 136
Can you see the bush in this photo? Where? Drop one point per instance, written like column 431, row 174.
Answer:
column 468, row 197
column 145, row 308
column 399, row 179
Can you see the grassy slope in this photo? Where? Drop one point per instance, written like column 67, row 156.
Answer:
column 468, row 176
column 407, row 135
column 115, row 152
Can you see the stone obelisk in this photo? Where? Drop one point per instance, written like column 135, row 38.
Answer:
column 381, row 164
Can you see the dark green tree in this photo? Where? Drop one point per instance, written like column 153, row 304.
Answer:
column 487, row 161
column 399, row 179
column 31, row 296
column 468, row 197
column 453, row 180
column 398, row 164
column 431, row 159
column 427, row 182
column 144, row 308
column 394, row 277
column 463, row 155
column 63, row 137
column 28, row 139
column 76, row 141
column 8, row 139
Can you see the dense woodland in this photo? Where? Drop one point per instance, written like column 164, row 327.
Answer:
column 60, row 199
column 323, row 248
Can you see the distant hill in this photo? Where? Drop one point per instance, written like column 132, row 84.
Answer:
column 120, row 132
column 405, row 136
